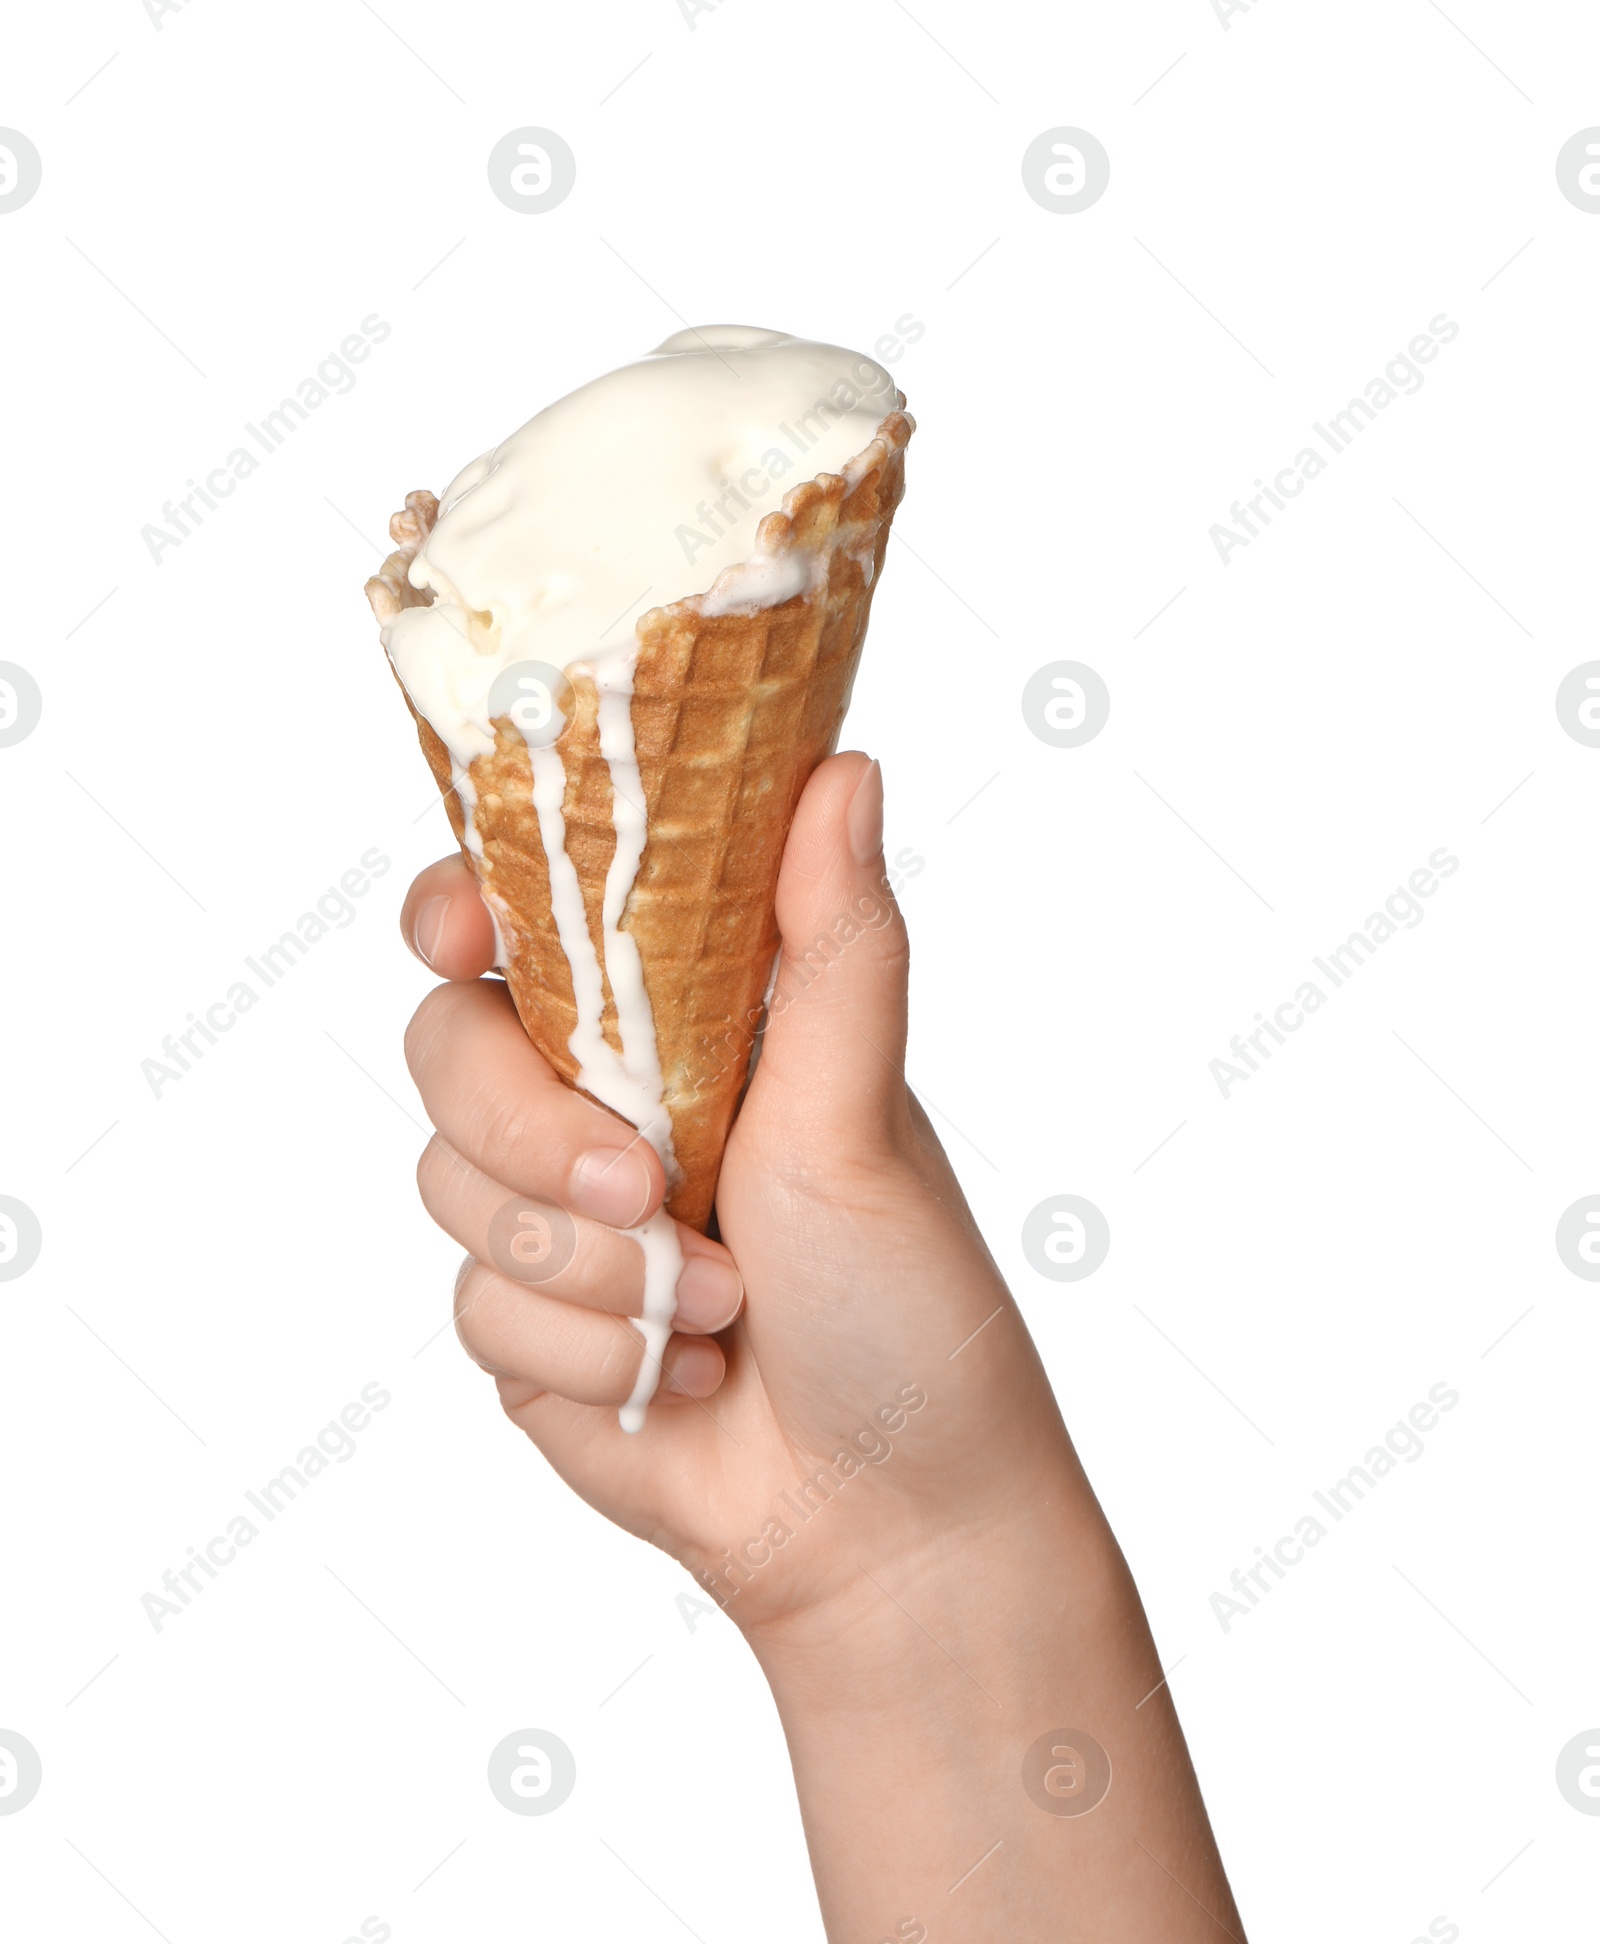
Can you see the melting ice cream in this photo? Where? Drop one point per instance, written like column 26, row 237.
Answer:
column 643, row 488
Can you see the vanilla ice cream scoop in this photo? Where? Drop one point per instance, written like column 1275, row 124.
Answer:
column 640, row 489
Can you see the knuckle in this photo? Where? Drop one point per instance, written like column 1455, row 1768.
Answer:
column 477, row 1310
column 428, row 1172
column 441, row 1172
column 513, row 1131
column 426, row 1025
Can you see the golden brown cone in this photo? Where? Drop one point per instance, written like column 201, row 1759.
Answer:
column 731, row 713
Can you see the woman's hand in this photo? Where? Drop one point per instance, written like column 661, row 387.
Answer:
column 832, row 1379
column 854, row 1447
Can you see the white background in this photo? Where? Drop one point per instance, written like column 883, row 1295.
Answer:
column 1372, row 678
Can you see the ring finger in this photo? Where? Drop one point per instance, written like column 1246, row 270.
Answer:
column 584, row 1355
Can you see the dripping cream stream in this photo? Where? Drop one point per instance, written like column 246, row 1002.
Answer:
column 632, row 1084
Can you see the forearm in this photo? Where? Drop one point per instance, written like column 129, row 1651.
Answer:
column 951, row 1725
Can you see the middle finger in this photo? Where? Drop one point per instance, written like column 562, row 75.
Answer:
column 540, row 1245
column 497, row 1101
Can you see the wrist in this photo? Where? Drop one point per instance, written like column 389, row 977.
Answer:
column 975, row 1613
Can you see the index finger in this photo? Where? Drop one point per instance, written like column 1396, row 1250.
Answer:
column 495, row 1099
column 445, row 922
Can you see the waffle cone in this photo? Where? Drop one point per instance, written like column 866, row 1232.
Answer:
column 731, row 713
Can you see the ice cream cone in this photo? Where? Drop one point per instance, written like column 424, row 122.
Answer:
column 731, row 712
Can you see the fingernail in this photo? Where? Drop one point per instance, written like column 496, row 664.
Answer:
column 612, row 1185
column 696, row 1369
column 710, row 1291
column 429, row 928
column 864, row 820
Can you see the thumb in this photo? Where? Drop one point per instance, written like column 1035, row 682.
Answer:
column 836, row 1029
